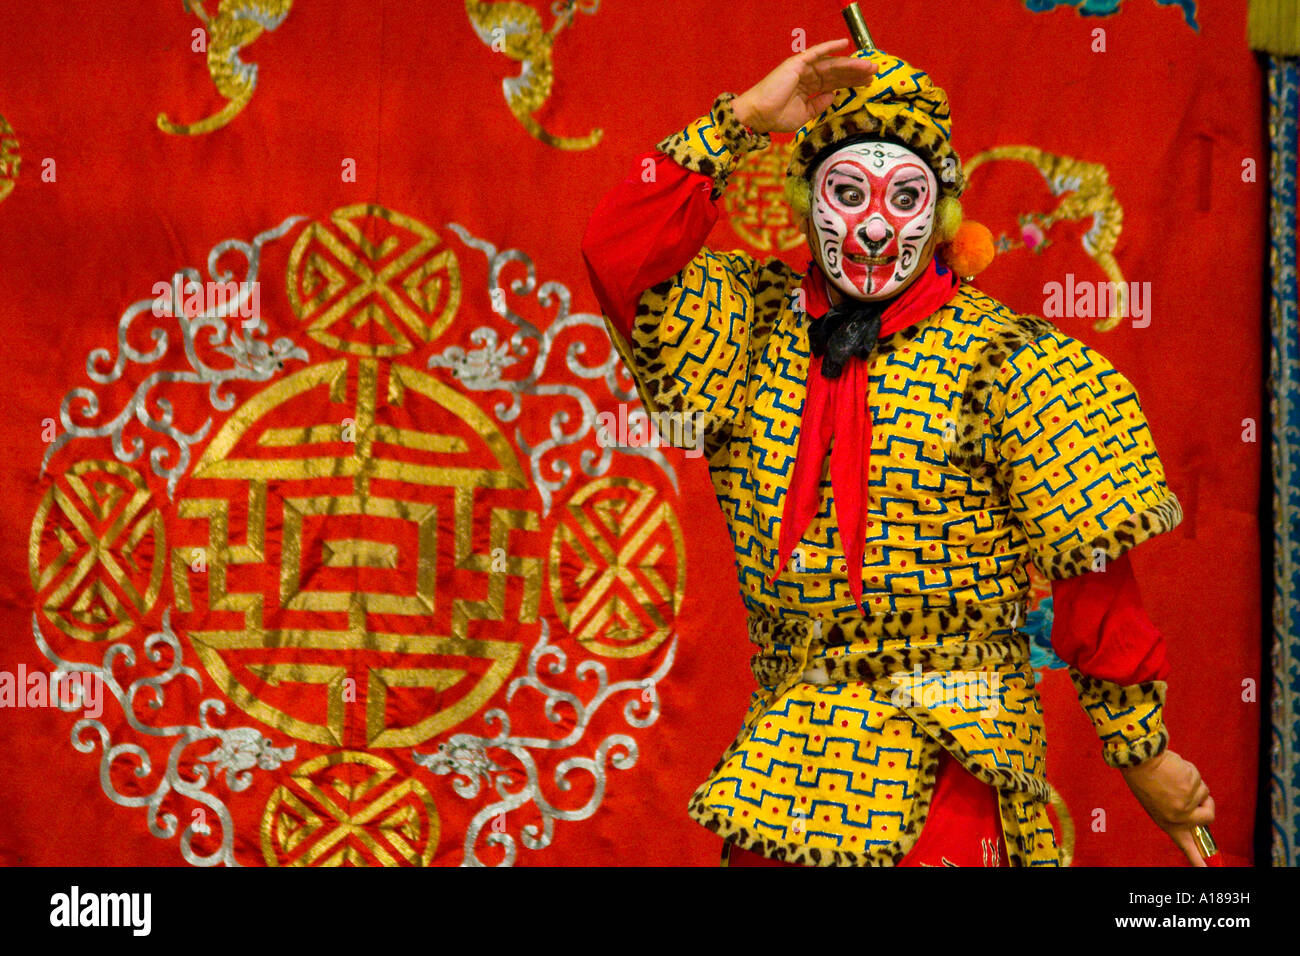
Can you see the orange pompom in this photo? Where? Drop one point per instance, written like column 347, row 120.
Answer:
column 970, row 251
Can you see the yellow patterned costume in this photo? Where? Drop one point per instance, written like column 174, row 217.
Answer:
column 997, row 441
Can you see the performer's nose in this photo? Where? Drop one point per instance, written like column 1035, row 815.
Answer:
column 876, row 234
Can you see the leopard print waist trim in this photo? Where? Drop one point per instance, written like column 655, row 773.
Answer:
column 943, row 624
column 780, row 668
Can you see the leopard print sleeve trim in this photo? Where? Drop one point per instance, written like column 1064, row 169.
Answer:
column 1162, row 517
column 1129, row 719
column 738, row 137
column 713, row 144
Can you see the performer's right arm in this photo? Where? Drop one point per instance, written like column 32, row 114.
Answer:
column 654, row 222
column 679, row 313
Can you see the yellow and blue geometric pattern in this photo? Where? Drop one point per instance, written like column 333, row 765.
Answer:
column 842, row 772
column 1075, row 452
column 1059, row 456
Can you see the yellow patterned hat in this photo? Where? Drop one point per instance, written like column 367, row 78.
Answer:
column 900, row 104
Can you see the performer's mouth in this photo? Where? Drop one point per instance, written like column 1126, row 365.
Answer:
column 874, row 261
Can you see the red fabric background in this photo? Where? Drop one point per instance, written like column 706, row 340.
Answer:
column 414, row 96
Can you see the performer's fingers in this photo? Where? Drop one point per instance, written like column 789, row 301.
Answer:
column 847, row 64
column 1200, row 793
column 852, row 74
column 854, row 64
column 834, row 74
column 1203, row 815
column 823, row 49
column 821, row 101
column 1183, row 838
column 846, row 69
column 1200, row 817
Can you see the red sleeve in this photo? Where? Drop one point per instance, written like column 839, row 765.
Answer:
column 1100, row 627
column 645, row 232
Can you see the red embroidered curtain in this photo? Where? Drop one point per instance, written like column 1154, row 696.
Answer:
column 337, row 541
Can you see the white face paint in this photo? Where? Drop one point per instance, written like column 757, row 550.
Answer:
column 873, row 213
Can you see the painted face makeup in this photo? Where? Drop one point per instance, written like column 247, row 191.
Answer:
column 873, row 214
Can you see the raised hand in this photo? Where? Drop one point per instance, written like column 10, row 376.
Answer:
column 800, row 88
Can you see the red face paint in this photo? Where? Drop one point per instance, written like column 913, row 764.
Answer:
column 873, row 213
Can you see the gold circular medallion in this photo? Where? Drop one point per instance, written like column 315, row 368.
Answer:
column 373, row 282
column 349, row 809
column 618, row 568
column 95, row 554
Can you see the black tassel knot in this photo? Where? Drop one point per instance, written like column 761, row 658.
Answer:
column 848, row 330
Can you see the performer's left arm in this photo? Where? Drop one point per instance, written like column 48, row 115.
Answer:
column 1087, row 485
column 1101, row 630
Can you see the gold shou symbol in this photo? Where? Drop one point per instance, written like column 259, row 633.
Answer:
column 373, row 282
column 618, row 568
column 349, row 809
column 756, row 203
column 340, row 581
column 96, row 549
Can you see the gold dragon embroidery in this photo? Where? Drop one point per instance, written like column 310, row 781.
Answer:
column 1088, row 193
column 237, row 24
column 515, row 29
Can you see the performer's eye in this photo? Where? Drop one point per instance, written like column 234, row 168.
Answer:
column 907, row 199
column 850, row 195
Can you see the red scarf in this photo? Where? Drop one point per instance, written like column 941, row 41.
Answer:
column 836, row 408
